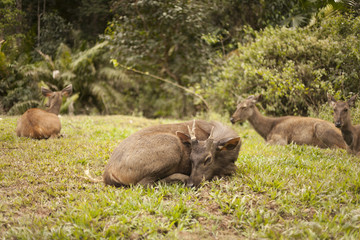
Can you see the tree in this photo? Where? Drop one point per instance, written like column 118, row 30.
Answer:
column 165, row 39
column 97, row 86
column 293, row 68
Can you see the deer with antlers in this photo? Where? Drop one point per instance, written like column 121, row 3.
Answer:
column 167, row 153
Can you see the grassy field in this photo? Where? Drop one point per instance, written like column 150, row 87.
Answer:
column 278, row 192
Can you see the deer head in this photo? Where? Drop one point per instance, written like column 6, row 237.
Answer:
column 55, row 98
column 245, row 109
column 342, row 116
column 204, row 162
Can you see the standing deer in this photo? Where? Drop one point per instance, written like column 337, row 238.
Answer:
column 40, row 124
column 166, row 153
column 342, row 121
column 288, row 129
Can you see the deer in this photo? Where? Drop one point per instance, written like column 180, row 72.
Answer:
column 174, row 153
column 342, row 120
column 288, row 129
column 43, row 124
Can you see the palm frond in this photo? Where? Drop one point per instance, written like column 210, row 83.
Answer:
column 86, row 56
column 67, row 76
column 297, row 21
column 350, row 3
column 21, row 107
column 294, row 21
column 114, row 74
column 68, row 102
column 327, row 11
column 47, row 59
column 323, row 13
column 109, row 97
column 36, row 72
column 63, row 57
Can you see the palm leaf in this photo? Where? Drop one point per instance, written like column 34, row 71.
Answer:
column 21, row 107
column 83, row 58
column 109, row 97
column 69, row 100
column 67, row 76
column 114, row 75
column 63, row 57
column 36, row 72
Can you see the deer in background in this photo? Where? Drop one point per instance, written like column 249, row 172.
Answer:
column 167, row 153
column 40, row 124
column 342, row 120
column 288, row 129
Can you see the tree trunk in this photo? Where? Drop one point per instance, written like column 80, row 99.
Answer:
column 38, row 23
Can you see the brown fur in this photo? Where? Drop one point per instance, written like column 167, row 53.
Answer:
column 342, row 120
column 289, row 129
column 40, row 124
column 159, row 153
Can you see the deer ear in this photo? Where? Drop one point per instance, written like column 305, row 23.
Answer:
column 258, row 98
column 184, row 138
column 351, row 101
column 331, row 100
column 255, row 99
column 239, row 99
column 46, row 92
column 228, row 143
column 67, row 91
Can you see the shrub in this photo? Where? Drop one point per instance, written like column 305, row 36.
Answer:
column 292, row 68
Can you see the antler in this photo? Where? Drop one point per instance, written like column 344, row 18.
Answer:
column 192, row 132
column 210, row 139
column 211, row 136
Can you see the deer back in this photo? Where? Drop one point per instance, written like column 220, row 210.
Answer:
column 39, row 124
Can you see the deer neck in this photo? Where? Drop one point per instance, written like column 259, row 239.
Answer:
column 348, row 131
column 263, row 125
column 55, row 109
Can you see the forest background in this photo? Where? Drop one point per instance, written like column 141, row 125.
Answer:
column 178, row 58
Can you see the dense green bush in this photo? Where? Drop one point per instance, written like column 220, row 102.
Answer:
column 292, row 68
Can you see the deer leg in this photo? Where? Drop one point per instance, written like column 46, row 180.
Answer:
column 147, row 181
column 277, row 139
column 54, row 136
column 176, row 177
column 328, row 137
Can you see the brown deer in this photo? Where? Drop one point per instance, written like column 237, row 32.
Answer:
column 40, row 124
column 342, row 120
column 288, row 129
column 166, row 153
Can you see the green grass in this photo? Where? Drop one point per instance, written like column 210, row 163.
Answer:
column 279, row 192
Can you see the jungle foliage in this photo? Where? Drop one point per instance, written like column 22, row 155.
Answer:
column 292, row 68
column 198, row 45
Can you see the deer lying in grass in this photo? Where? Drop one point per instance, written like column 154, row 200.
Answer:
column 288, row 129
column 342, row 120
column 40, row 124
column 167, row 153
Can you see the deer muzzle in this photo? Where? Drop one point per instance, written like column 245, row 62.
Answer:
column 338, row 124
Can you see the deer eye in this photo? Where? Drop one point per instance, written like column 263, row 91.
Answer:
column 207, row 160
column 345, row 110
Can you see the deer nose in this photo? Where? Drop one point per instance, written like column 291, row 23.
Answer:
column 190, row 184
column 232, row 120
column 337, row 124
